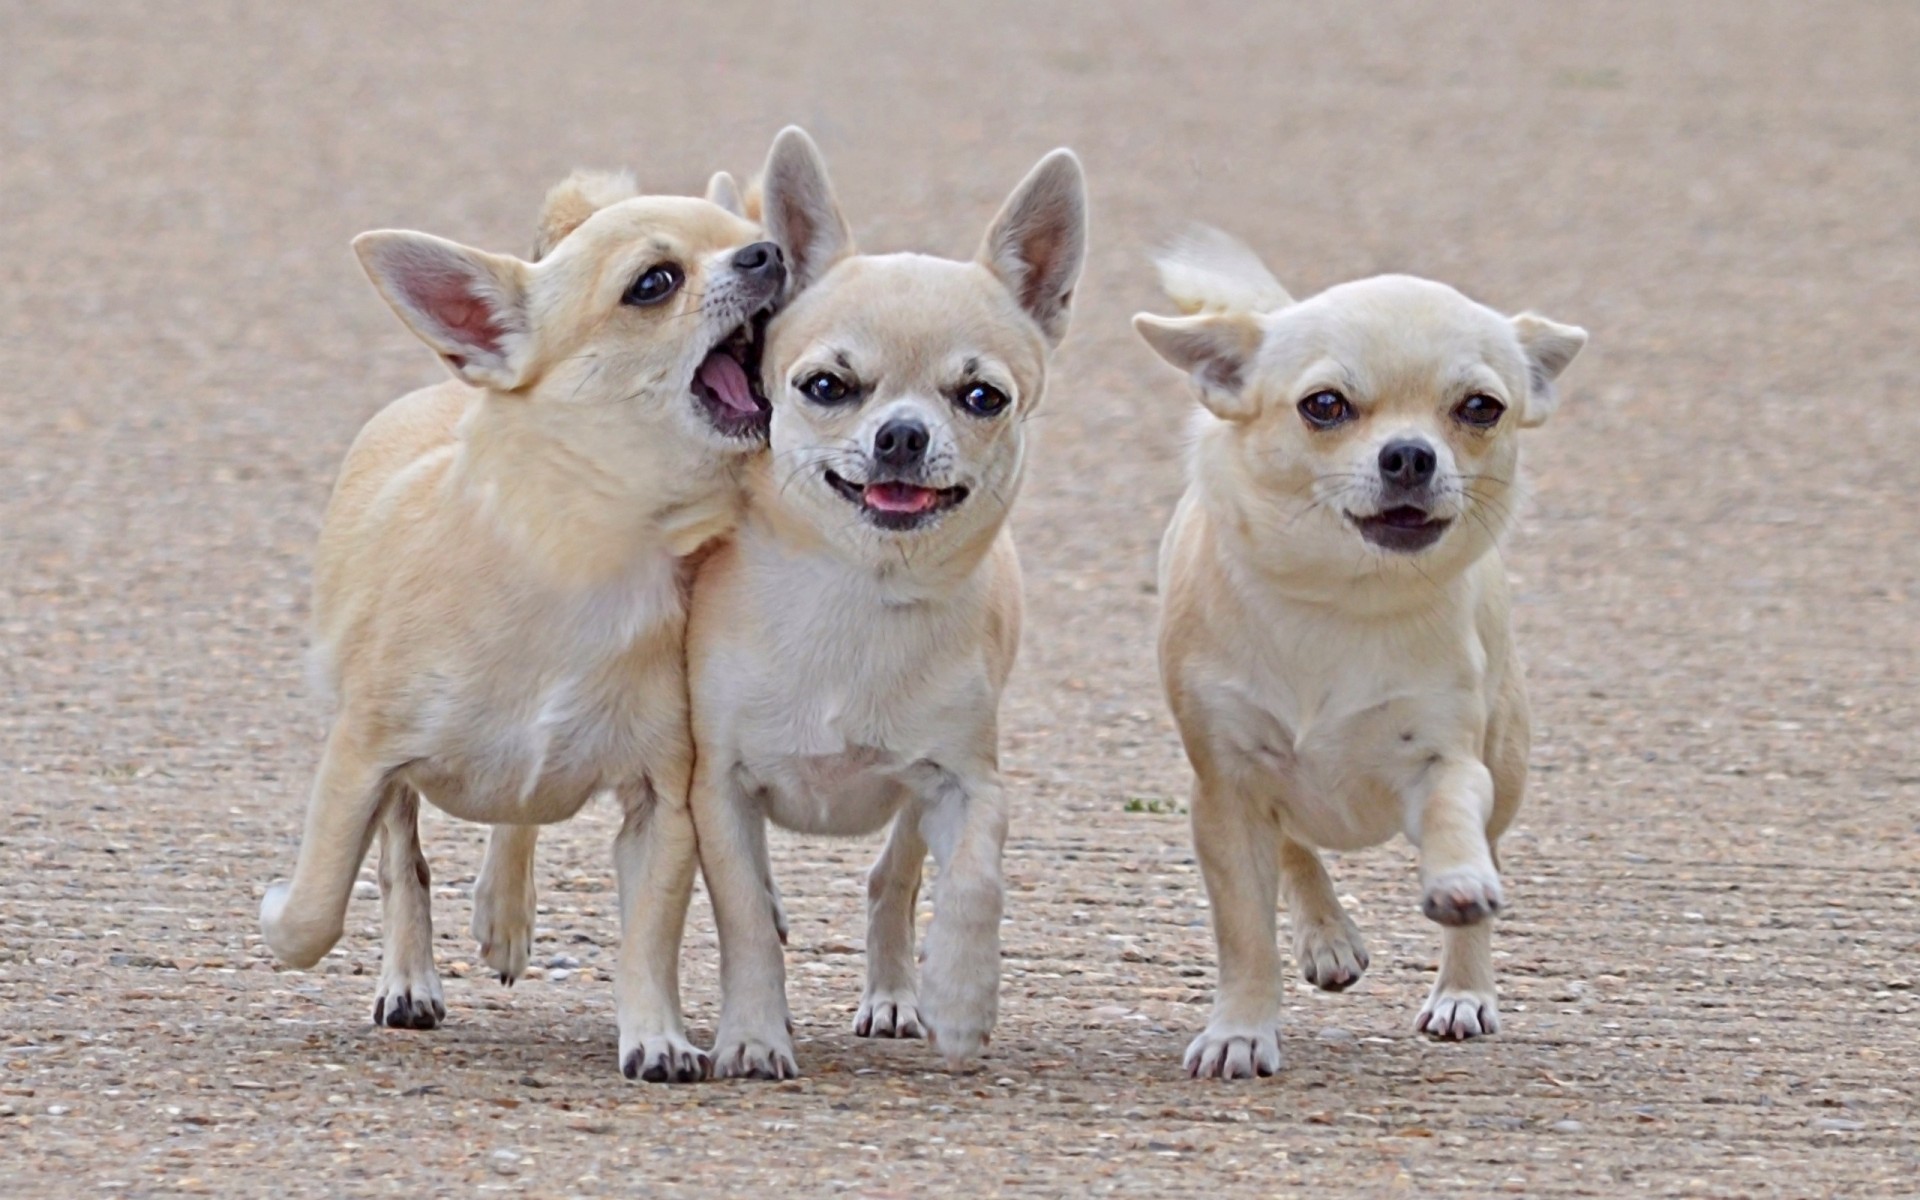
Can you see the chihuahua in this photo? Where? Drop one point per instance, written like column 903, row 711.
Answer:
column 500, row 590
column 848, row 647
column 1335, row 640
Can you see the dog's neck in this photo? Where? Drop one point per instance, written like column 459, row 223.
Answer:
column 560, row 501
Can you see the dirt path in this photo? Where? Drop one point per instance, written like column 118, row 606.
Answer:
column 1710, row 971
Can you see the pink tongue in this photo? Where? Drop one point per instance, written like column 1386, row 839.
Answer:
column 899, row 497
column 728, row 381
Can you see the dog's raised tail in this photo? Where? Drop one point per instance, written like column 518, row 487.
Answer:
column 1207, row 271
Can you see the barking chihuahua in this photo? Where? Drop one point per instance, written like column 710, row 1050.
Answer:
column 499, row 599
column 848, row 647
column 1335, row 640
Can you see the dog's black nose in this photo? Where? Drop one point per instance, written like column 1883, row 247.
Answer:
column 1408, row 463
column 900, row 443
column 761, row 258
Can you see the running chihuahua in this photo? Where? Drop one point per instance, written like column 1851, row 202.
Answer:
column 1335, row 639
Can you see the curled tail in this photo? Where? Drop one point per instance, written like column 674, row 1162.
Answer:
column 1207, row 271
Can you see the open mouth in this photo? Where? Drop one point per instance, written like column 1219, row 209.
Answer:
column 896, row 504
column 1405, row 528
column 727, row 381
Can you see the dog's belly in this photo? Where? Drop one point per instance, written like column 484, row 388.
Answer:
column 852, row 792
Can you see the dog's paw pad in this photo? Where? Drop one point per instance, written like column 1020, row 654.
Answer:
column 754, row 1058
column 888, row 1015
column 1457, row 1016
column 1234, row 1052
column 1331, row 955
column 1462, row 897
column 665, row 1058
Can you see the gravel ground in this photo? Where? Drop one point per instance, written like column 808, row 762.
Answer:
column 1710, row 968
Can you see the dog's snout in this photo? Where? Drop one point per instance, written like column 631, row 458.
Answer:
column 1408, row 463
column 760, row 259
column 900, row 443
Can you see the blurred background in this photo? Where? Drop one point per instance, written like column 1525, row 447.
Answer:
column 1712, row 951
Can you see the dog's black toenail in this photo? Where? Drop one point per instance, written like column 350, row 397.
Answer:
column 656, row 1072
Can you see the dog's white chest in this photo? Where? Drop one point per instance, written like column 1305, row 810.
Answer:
column 1340, row 735
column 833, row 728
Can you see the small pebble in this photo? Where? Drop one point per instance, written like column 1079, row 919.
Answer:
column 1333, row 1033
column 1567, row 1127
column 1830, row 1124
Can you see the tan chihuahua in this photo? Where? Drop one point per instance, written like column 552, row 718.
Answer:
column 499, row 596
column 1335, row 639
column 849, row 646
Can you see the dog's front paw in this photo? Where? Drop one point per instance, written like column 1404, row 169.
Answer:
column 1456, row 1016
column 765, row 1054
column 663, row 1058
column 888, row 1014
column 959, row 1009
column 1234, row 1051
column 1463, row 897
column 1330, row 953
column 503, row 925
column 409, row 999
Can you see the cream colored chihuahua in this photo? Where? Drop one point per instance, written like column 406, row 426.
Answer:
column 848, row 647
column 499, row 596
column 1335, row 640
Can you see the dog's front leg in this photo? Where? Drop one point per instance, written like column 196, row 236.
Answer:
column 964, row 821
column 755, row 1039
column 891, row 1006
column 1237, row 842
column 654, row 856
column 1460, row 890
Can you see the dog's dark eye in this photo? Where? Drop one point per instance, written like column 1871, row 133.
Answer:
column 654, row 285
column 1324, row 410
column 981, row 399
column 824, row 387
column 1479, row 410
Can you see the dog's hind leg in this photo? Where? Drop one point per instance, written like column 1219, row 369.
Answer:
column 302, row 918
column 1326, row 942
column 503, row 901
column 890, row 1008
column 409, row 995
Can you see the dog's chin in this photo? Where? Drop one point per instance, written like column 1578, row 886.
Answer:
column 726, row 384
column 1403, row 529
column 896, row 505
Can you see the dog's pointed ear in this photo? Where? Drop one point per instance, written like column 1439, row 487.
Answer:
column 470, row 306
column 1038, row 243
column 1217, row 349
column 1549, row 347
column 798, row 208
column 721, row 190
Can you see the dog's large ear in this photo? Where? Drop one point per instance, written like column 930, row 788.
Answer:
column 722, row 191
column 1217, row 349
column 798, row 208
column 571, row 201
column 1549, row 347
column 470, row 306
column 1038, row 243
